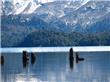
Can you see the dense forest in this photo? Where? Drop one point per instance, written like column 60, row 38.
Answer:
column 56, row 38
column 36, row 38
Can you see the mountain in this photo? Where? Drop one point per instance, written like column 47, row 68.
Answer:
column 88, row 14
column 16, row 7
column 65, row 15
column 7, row 8
column 82, row 17
column 102, row 25
column 19, row 7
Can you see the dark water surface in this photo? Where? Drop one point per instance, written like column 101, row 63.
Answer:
column 54, row 67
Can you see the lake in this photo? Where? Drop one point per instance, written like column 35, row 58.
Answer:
column 55, row 67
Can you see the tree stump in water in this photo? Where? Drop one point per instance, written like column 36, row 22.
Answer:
column 25, row 58
column 71, row 58
column 2, row 60
column 33, row 58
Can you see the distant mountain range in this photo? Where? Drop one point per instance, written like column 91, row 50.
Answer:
column 21, row 19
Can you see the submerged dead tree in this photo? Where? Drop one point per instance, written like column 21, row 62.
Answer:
column 71, row 58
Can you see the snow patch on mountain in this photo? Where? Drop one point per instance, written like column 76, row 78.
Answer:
column 31, row 9
column 62, row 14
column 45, row 1
column 20, row 9
column 25, row 6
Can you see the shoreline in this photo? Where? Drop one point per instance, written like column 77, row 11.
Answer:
column 56, row 49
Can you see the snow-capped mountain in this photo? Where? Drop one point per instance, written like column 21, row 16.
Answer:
column 25, row 7
column 22, row 6
column 29, row 6
column 87, row 14
column 7, row 8
column 74, row 14
column 71, row 15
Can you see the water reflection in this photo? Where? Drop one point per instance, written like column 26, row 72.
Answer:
column 54, row 67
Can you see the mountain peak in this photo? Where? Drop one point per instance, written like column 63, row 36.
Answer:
column 25, row 6
column 29, row 6
column 16, row 7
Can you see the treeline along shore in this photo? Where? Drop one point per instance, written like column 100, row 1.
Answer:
column 47, row 38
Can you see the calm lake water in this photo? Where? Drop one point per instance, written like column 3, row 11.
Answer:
column 54, row 67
